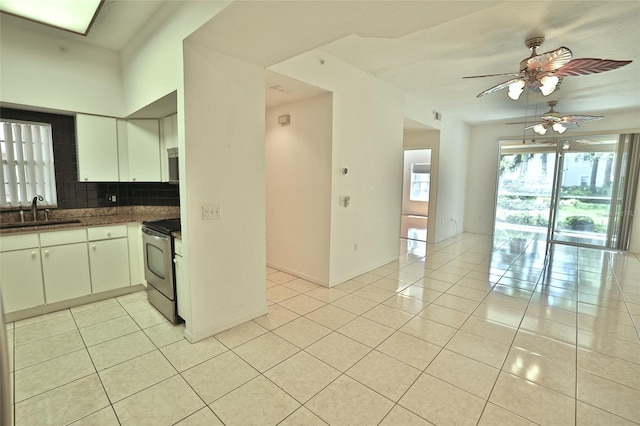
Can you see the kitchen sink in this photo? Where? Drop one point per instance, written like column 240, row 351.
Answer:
column 38, row 223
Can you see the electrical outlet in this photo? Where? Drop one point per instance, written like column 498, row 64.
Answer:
column 211, row 212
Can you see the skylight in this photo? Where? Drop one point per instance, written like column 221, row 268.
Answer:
column 70, row 15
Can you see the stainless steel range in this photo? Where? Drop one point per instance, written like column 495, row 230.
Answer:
column 159, row 270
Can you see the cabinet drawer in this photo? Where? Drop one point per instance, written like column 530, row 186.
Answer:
column 19, row 242
column 70, row 236
column 178, row 246
column 107, row 232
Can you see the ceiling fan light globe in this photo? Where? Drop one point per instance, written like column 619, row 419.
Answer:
column 515, row 89
column 558, row 127
column 548, row 84
column 540, row 129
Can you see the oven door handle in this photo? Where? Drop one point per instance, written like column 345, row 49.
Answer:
column 153, row 234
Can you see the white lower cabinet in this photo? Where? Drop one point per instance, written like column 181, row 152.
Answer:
column 65, row 270
column 109, row 262
column 136, row 258
column 21, row 279
column 182, row 291
column 108, row 257
column 48, row 267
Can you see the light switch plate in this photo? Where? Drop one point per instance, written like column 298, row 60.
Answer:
column 211, row 212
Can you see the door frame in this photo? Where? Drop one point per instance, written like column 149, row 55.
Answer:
column 617, row 192
column 430, row 140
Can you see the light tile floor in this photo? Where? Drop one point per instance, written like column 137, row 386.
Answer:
column 468, row 331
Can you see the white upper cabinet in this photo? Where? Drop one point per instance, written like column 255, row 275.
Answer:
column 143, row 151
column 97, row 147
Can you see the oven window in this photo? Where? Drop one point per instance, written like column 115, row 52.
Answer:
column 155, row 261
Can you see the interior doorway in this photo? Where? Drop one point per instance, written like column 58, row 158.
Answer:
column 416, row 184
column 574, row 190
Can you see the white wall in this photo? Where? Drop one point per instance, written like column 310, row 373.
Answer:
column 419, row 138
column 483, row 163
column 222, row 146
column 367, row 139
column 298, row 188
column 413, row 156
column 84, row 78
column 42, row 70
column 452, row 178
column 482, row 169
column 419, row 111
column 152, row 61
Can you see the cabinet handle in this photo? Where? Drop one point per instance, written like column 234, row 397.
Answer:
column 93, row 246
column 109, row 234
column 33, row 254
column 46, row 252
column 133, row 179
column 86, row 178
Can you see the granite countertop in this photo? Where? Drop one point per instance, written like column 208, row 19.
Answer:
column 76, row 218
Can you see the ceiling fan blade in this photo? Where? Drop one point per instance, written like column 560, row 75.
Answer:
column 585, row 66
column 533, row 125
column 580, row 118
column 524, row 122
column 508, row 74
column 550, row 61
column 498, row 87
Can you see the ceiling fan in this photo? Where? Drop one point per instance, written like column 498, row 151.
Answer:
column 545, row 71
column 559, row 123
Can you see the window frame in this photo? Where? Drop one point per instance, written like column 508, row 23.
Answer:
column 30, row 164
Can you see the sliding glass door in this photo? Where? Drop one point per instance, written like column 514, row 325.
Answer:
column 525, row 186
column 585, row 173
column 577, row 191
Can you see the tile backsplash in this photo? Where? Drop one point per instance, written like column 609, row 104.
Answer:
column 76, row 195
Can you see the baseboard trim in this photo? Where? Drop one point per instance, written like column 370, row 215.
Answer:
column 348, row 277
column 212, row 331
column 298, row 274
column 71, row 303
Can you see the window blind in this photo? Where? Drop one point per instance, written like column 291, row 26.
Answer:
column 27, row 164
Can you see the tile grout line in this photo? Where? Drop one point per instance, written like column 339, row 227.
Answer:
column 501, row 369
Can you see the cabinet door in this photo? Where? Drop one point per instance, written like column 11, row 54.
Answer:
column 97, row 146
column 109, row 260
column 182, row 291
column 136, row 257
column 143, row 148
column 21, row 279
column 66, row 272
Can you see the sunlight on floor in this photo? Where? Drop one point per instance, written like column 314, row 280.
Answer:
column 413, row 227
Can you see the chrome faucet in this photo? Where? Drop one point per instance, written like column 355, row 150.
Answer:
column 34, row 206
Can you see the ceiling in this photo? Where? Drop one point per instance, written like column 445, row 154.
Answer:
column 421, row 47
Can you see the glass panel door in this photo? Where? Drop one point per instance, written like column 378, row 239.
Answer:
column 586, row 173
column 525, row 186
